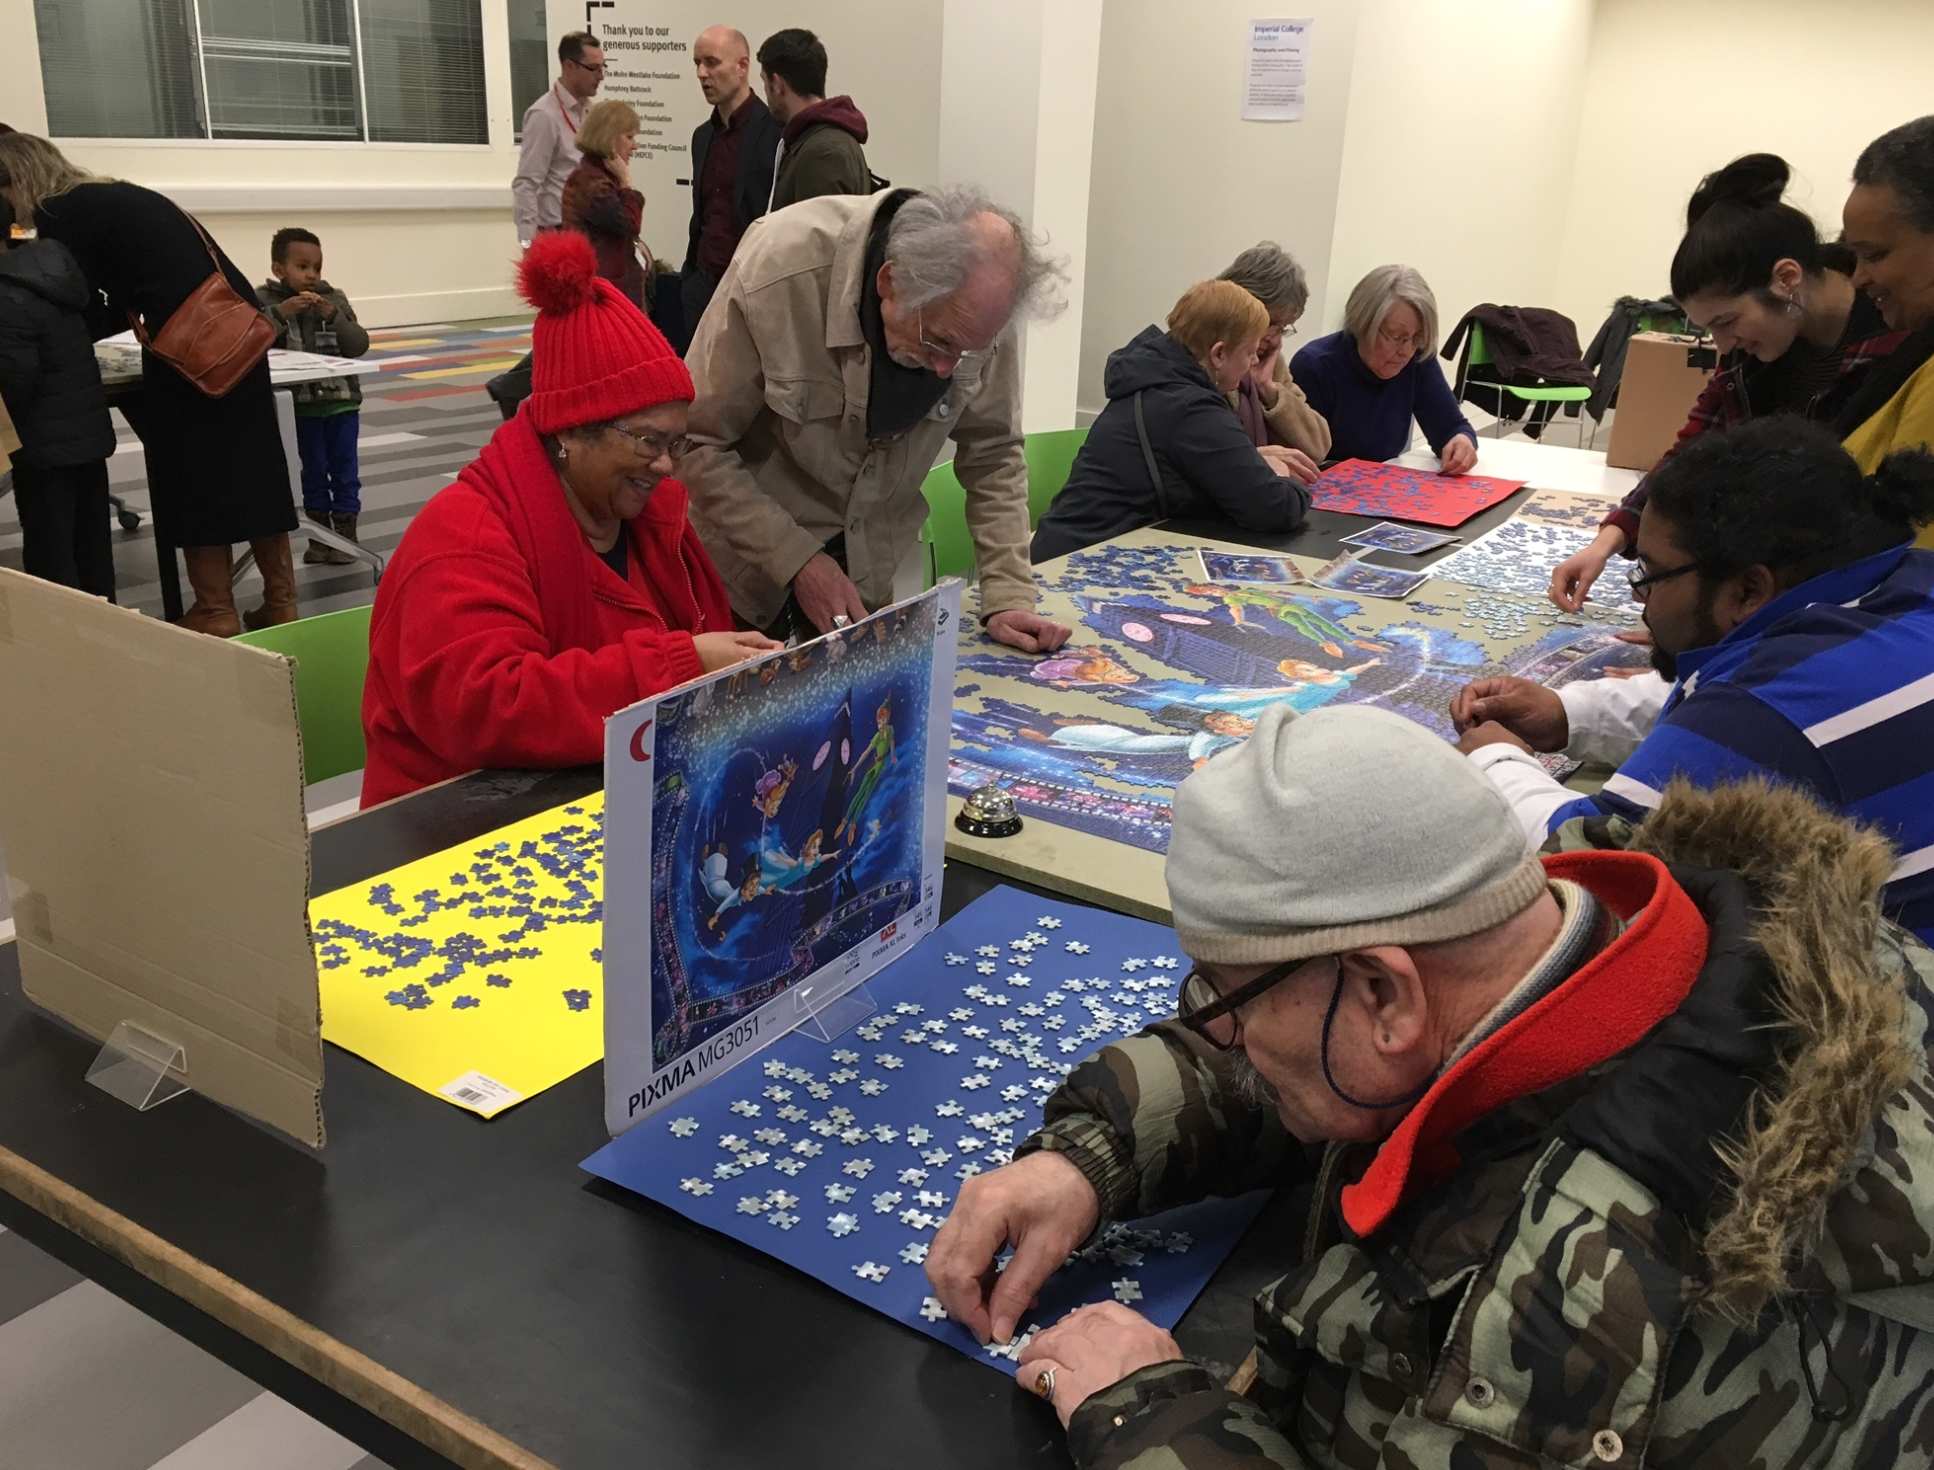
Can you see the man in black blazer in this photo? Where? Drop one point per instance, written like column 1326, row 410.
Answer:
column 733, row 154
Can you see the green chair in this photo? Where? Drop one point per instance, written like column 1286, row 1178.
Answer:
column 950, row 549
column 1477, row 354
column 331, row 654
column 1050, row 455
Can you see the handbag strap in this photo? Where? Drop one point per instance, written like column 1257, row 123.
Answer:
column 1148, row 458
column 134, row 320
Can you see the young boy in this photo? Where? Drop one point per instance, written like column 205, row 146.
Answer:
column 52, row 390
column 314, row 316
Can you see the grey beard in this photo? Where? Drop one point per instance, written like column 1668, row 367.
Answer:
column 1247, row 1085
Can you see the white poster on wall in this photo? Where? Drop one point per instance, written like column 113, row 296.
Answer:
column 649, row 66
column 1277, row 75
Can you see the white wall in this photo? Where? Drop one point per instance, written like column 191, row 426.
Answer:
column 1017, row 117
column 421, row 234
column 1461, row 137
column 1180, row 183
column 1676, row 90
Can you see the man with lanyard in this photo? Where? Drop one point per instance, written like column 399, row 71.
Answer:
column 549, row 151
column 733, row 154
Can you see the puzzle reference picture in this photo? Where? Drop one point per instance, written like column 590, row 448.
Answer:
column 772, row 836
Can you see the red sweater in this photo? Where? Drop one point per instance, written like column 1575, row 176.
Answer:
column 499, row 638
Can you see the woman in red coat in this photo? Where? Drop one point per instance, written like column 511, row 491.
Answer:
column 558, row 580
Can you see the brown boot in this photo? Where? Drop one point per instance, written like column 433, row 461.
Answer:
column 345, row 527
column 211, row 575
column 277, row 564
column 319, row 553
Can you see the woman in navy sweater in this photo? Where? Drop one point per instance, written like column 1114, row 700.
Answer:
column 1377, row 374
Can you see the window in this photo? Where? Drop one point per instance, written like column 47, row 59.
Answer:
column 398, row 71
column 530, row 57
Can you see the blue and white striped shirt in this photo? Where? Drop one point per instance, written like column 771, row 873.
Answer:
column 1829, row 686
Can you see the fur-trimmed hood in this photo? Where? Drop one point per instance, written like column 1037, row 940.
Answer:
column 1856, row 1039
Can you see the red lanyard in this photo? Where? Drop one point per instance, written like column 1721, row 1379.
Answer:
column 564, row 112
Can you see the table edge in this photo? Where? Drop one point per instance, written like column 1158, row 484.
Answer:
column 343, row 1370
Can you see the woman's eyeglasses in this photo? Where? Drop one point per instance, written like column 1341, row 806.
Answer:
column 651, row 445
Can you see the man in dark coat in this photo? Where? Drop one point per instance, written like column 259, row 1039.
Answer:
column 732, row 161
column 821, row 150
column 52, row 389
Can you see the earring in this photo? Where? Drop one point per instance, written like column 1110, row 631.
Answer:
column 1386, row 1038
column 563, row 453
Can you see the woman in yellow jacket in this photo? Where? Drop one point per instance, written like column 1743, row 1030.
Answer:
column 1889, row 225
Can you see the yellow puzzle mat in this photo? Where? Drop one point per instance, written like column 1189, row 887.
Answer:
column 476, row 973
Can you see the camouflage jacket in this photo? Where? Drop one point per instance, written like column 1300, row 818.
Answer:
column 1539, row 1305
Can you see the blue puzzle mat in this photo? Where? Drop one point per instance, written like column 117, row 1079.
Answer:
column 842, row 1158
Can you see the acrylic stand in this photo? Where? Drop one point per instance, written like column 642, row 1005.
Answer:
column 835, row 1017
column 139, row 1068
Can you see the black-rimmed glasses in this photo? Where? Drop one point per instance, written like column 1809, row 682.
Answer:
column 1212, row 1015
column 1642, row 582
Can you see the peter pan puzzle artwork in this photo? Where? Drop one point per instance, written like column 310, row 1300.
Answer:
column 772, row 838
column 1164, row 670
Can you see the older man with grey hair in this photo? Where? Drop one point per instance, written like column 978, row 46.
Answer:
column 1370, row 380
column 1272, row 408
column 849, row 339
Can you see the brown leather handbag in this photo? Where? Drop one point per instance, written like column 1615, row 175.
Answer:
column 214, row 339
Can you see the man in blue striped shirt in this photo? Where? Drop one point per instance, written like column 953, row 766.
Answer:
column 1793, row 624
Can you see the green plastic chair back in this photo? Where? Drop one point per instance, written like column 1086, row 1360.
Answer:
column 1478, row 354
column 950, row 549
column 1050, row 455
column 331, row 654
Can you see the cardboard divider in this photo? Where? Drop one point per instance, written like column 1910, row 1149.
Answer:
column 152, row 815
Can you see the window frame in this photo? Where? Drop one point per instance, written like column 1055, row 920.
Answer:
column 205, row 138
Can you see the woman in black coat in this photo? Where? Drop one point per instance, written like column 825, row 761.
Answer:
column 216, row 469
column 1175, row 386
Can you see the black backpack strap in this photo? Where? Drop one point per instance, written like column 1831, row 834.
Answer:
column 1148, row 458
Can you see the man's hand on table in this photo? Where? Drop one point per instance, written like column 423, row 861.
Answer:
column 1513, row 709
column 824, row 592
column 1027, row 631
column 1092, row 1348
column 1044, row 1206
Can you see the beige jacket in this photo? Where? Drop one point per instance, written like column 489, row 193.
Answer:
column 1292, row 421
column 782, row 463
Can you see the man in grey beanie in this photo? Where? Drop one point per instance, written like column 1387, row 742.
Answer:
column 1583, row 1116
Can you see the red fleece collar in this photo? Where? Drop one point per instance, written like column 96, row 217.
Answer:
column 1628, row 988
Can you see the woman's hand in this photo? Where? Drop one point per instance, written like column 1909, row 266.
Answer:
column 620, row 170
column 1290, row 463
column 722, row 650
column 1459, row 456
column 1572, row 578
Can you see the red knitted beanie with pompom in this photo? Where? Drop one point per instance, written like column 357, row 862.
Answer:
column 594, row 356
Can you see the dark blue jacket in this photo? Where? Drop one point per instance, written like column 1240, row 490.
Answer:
column 1208, row 463
column 1369, row 416
column 48, row 376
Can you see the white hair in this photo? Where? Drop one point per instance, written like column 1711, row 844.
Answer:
column 1271, row 275
column 1383, row 288
column 933, row 247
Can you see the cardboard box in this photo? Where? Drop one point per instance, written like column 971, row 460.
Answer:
column 1663, row 377
column 151, row 806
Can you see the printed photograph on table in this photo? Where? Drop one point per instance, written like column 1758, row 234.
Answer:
column 1163, row 672
column 843, row 1158
column 1350, row 573
column 474, row 973
column 773, row 836
column 1227, row 566
column 1364, row 487
column 1410, row 540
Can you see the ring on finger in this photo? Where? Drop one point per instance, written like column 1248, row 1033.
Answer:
column 1044, row 1383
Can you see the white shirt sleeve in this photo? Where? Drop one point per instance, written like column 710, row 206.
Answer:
column 1610, row 717
column 1525, row 784
column 534, row 158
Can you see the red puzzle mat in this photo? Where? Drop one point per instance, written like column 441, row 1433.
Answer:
column 1363, row 487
